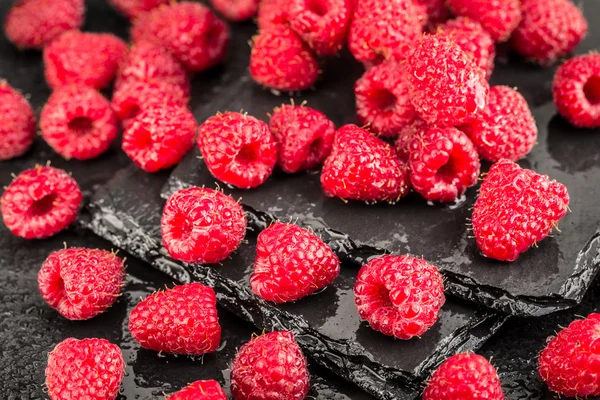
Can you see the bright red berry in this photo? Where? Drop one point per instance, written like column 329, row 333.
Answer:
column 81, row 283
column 570, row 362
column 271, row 13
column 40, row 202
column 238, row 149
column 135, row 8
column 464, row 376
column 498, row 17
column 399, row 296
column 305, row 137
column 516, row 208
column 200, row 390
column 416, row 129
column 270, row 366
column 236, row 10
column 84, row 369
column 437, row 11
column 576, row 90
column 17, row 123
column 182, row 320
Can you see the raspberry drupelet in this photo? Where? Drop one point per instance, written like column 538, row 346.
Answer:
column 200, row 390
column 236, row 10
column 498, row 17
column 135, row 8
column 271, row 13
column 17, row 123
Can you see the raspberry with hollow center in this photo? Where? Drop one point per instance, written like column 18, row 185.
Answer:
column 135, row 8
column 499, row 17
column 17, row 123
column 236, row 10
column 200, row 390
column 437, row 11
column 271, row 13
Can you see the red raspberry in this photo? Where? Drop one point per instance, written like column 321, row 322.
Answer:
column 399, row 296
column 464, row 376
column 305, row 137
column 363, row 167
column 270, row 366
column 437, row 12
column 78, row 122
column 447, row 87
column 40, row 202
column 182, row 320
column 236, row 10
column 505, row 129
column 189, row 30
column 549, row 30
column 32, row 24
column 516, row 208
column 200, row 390
column 81, row 283
column 498, row 17
column 238, row 149
column 569, row 363
column 576, row 90
column 405, row 137
column 159, row 137
column 135, row 8
column 201, row 225
column 382, row 99
column 280, row 60
column 291, row 263
column 17, row 123
column 271, row 13
column 90, row 59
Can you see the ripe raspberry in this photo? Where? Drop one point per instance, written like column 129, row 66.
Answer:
column 81, row 283
column 200, row 390
column 402, row 145
column 498, row 17
column 238, row 149
column 305, row 137
column 363, row 167
column 90, row 59
column 270, row 366
column 189, row 30
column 32, row 24
column 447, row 87
column 84, row 369
column 464, row 376
column 17, row 123
column 516, row 208
column 271, row 13
column 569, row 363
column 182, row 320
column 576, row 90
column 236, row 10
column 40, row 202
column 291, row 263
column 505, row 129
column 382, row 99
column 135, row 8
column 437, row 12
column 399, row 296
column 78, row 122
column 280, row 60
column 549, row 30
column 159, row 137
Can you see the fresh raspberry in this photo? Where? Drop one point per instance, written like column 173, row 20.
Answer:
column 189, row 30
column 382, row 99
column 399, row 296
column 17, row 123
column 270, row 366
column 437, row 12
column 200, row 390
column 549, row 30
column 447, row 87
column 498, row 17
column 40, row 202
column 569, row 363
column 363, row 167
column 135, row 8
column 576, row 90
column 78, row 122
column 305, row 137
column 280, row 60
column 182, row 320
column 238, row 149
column 236, row 10
column 505, row 129
column 464, row 376
column 516, row 209
column 32, row 24
column 81, row 283
column 159, row 137
column 90, row 59
column 271, row 13
column 291, row 263
column 416, row 129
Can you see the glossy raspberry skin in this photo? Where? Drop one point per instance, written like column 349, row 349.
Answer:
column 437, row 12
column 84, row 369
column 399, row 296
column 417, row 128
column 236, row 10
column 270, row 366
column 464, row 376
column 81, row 283
column 505, row 129
column 40, row 202
column 271, row 13
column 135, row 8
column 200, row 390
column 238, row 149
column 305, row 137
column 569, row 363
column 498, row 17
column 182, row 320
column 17, row 123
column 516, row 208
column 576, row 90
column 447, row 87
